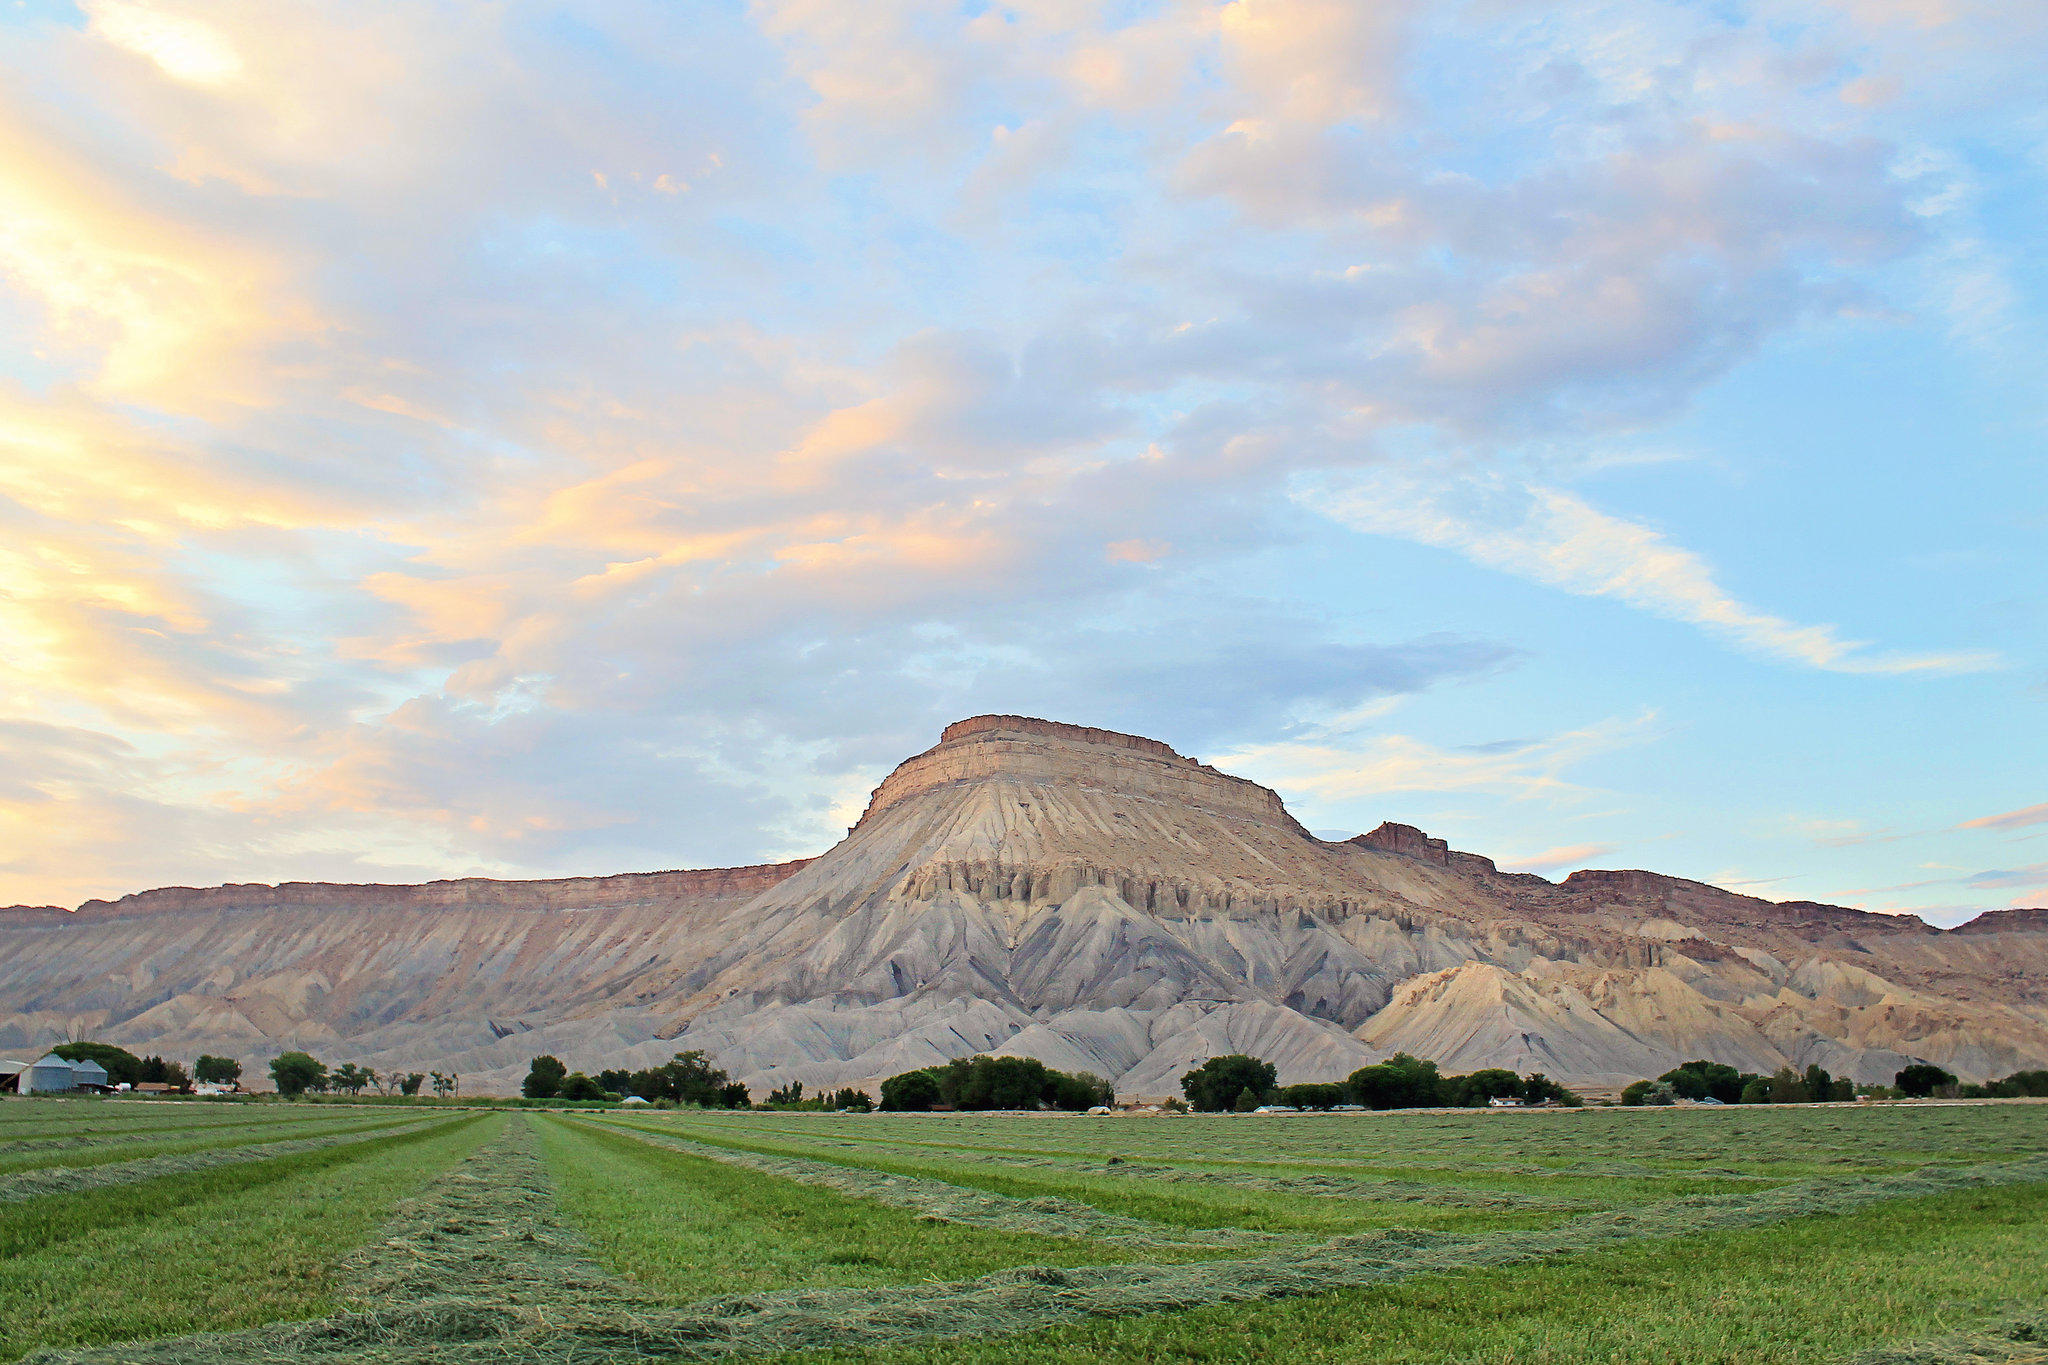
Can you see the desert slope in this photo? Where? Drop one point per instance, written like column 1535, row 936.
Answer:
column 1089, row 898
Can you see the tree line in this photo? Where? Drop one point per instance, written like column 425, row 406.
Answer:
column 1240, row 1083
column 1704, row 1080
column 981, row 1082
column 687, row 1078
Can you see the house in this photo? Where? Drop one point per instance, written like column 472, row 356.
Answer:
column 152, row 1088
column 1504, row 1102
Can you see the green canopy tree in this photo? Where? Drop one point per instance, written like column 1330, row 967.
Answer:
column 294, row 1073
column 544, row 1078
column 1920, row 1080
column 1215, row 1085
column 121, row 1065
column 912, row 1092
column 212, row 1070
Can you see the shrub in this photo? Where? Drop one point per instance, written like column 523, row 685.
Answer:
column 1216, row 1084
column 578, row 1086
column 1658, row 1092
column 1247, row 1100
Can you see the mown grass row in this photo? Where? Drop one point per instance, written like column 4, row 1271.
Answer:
column 105, row 1151
column 219, row 1248
column 1816, row 1289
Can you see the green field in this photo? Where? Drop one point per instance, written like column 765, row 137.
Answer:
column 150, row 1231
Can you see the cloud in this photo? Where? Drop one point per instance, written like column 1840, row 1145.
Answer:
column 2012, row 819
column 1553, row 537
column 1568, row 855
column 1335, row 767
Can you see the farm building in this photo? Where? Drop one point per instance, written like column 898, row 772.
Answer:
column 52, row 1075
column 10, row 1075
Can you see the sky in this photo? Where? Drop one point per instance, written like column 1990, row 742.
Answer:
column 527, row 440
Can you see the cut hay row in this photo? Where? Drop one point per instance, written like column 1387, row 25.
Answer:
column 226, row 1134
column 2018, row 1339
column 1045, row 1216
column 34, row 1184
column 609, row 1323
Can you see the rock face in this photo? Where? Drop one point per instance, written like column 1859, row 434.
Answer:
column 1088, row 898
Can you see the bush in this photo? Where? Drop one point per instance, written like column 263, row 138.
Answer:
column 1922, row 1079
column 1756, row 1090
column 1658, row 1092
column 1216, row 1084
column 578, row 1086
column 1317, row 1095
column 1247, row 1100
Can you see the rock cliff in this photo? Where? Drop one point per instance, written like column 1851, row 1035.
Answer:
column 1089, row 898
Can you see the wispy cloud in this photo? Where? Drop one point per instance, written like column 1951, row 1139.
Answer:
column 1554, row 537
column 1568, row 855
column 2012, row 819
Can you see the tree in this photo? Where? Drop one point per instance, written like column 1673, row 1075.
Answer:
column 212, row 1070
column 1399, row 1082
column 1755, row 1090
column 1540, row 1089
column 1657, row 1092
column 1216, row 1084
column 297, row 1072
column 544, row 1078
column 410, row 1083
column 912, row 1092
column 1701, row 1080
column 578, row 1086
column 1820, row 1086
column 731, row 1095
column 1315, row 1095
column 1786, row 1087
column 351, row 1078
column 1247, row 1101
column 618, row 1082
column 121, row 1065
column 855, row 1100
column 793, row 1093
column 1494, row 1082
column 1922, row 1079
column 176, row 1077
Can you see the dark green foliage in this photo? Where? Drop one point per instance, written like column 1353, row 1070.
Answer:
column 1756, row 1090
column 793, row 1093
column 158, row 1071
column 297, row 1072
column 2020, row 1085
column 1786, row 1087
column 912, row 1092
column 687, row 1078
column 1473, row 1091
column 1820, row 1086
column 577, row 1086
column 214, row 1070
column 1400, row 1082
column 1658, row 1092
column 849, row 1098
column 993, row 1083
column 1216, row 1084
column 351, row 1079
column 1702, row 1080
column 544, row 1078
column 410, row 1084
column 1311, row 1096
column 1921, row 1079
column 1247, row 1101
column 121, row 1064
column 618, row 1081
column 1540, row 1089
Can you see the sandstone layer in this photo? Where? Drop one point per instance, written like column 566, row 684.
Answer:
column 1092, row 899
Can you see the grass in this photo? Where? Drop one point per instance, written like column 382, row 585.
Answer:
column 1179, row 1204
column 219, row 1248
column 692, row 1228
column 104, row 1150
column 1809, row 1290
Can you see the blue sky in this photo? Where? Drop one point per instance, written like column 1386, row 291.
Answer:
column 527, row 440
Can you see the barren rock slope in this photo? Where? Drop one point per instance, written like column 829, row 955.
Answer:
column 1089, row 898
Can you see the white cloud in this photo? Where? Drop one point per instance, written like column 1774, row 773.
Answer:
column 1553, row 537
